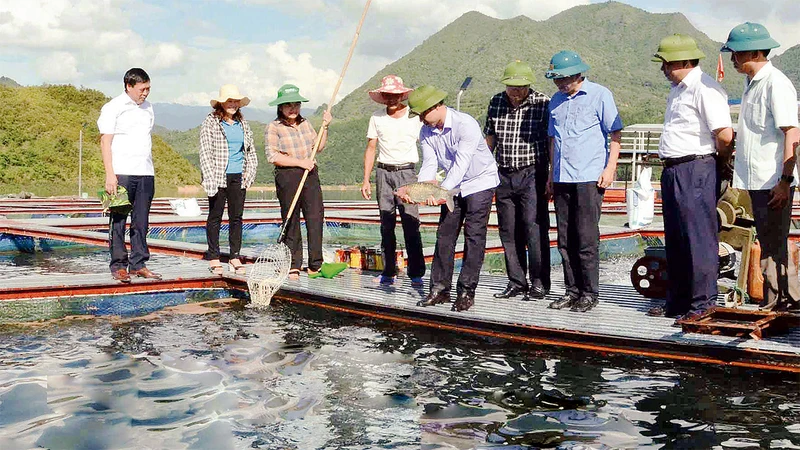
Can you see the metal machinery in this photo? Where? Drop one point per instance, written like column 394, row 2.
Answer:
column 737, row 232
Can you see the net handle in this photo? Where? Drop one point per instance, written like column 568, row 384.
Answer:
column 282, row 234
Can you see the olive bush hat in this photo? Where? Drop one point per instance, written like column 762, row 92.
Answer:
column 288, row 93
column 749, row 36
column 517, row 73
column 423, row 98
column 678, row 47
column 565, row 64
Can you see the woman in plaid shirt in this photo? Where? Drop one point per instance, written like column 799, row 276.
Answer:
column 228, row 164
column 290, row 141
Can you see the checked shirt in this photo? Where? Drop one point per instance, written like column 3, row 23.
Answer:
column 214, row 155
column 520, row 133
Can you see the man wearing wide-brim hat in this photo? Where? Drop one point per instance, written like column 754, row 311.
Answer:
column 393, row 135
column 582, row 117
column 765, row 161
column 452, row 140
column 697, row 134
column 516, row 131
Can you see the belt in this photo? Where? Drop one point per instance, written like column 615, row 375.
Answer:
column 669, row 162
column 514, row 169
column 395, row 168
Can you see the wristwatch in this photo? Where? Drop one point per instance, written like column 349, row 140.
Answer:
column 787, row 178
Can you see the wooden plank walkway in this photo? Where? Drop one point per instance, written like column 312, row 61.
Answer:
column 618, row 324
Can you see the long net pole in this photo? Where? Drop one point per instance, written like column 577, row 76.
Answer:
column 282, row 234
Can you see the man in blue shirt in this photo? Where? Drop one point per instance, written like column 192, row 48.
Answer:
column 452, row 141
column 582, row 116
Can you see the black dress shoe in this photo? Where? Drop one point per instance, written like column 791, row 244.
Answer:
column 585, row 303
column 463, row 302
column 510, row 291
column 435, row 298
column 537, row 292
column 565, row 301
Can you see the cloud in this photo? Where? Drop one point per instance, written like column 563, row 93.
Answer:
column 58, row 67
column 259, row 70
column 96, row 35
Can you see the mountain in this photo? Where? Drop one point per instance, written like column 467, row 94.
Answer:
column 39, row 143
column 789, row 63
column 5, row 81
column 615, row 39
column 173, row 116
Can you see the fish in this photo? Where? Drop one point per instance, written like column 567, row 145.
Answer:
column 420, row 192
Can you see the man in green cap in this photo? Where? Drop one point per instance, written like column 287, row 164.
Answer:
column 582, row 117
column 697, row 127
column 765, row 164
column 516, row 131
column 452, row 140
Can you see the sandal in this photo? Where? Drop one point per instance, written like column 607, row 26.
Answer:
column 237, row 267
column 313, row 273
column 294, row 274
column 215, row 267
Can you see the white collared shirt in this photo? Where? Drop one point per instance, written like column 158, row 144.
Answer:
column 131, row 124
column 695, row 108
column 769, row 102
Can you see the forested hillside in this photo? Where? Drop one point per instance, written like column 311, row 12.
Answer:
column 39, row 143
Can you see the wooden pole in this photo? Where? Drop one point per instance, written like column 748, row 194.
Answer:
column 282, row 234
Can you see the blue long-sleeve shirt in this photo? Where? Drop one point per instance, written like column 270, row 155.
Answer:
column 460, row 149
column 579, row 126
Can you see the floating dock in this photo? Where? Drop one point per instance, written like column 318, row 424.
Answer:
column 617, row 325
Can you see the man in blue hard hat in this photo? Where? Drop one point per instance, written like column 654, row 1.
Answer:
column 516, row 131
column 582, row 117
column 765, row 164
column 697, row 136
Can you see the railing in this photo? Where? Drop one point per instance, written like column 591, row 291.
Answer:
column 639, row 142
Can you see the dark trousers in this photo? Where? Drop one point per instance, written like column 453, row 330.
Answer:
column 578, row 220
column 543, row 219
column 287, row 179
column 517, row 209
column 689, row 204
column 141, row 189
column 777, row 267
column 471, row 212
column 234, row 195
column 386, row 184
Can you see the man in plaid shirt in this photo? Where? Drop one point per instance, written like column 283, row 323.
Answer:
column 516, row 131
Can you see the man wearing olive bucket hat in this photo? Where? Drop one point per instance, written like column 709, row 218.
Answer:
column 516, row 131
column 697, row 128
column 765, row 163
column 394, row 135
column 290, row 141
column 582, row 116
column 453, row 141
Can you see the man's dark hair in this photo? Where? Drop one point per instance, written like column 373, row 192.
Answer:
column 694, row 62
column 134, row 76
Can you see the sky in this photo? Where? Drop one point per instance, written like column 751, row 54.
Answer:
column 191, row 47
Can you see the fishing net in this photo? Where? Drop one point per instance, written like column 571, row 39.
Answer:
column 268, row 273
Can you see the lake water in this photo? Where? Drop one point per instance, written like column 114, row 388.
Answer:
column 221, row 376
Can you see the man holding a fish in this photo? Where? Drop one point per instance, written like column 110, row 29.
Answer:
column 453, row 141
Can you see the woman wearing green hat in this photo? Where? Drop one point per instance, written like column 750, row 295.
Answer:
column 290, row 141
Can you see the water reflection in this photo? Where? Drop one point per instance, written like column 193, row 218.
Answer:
column 303, row 378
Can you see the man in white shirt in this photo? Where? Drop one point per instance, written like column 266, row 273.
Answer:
column 765, row 164
column 394, row 135
column 697, row 128
column 125, row 125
